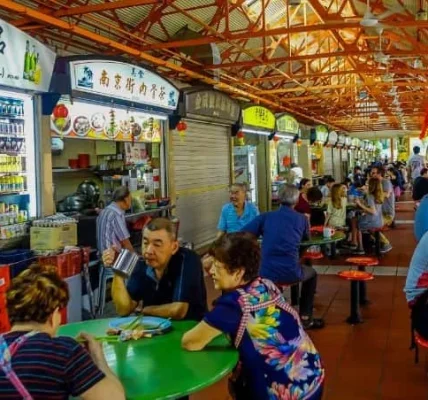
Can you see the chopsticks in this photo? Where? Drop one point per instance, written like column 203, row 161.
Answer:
column 133, row 324
column 106, row 339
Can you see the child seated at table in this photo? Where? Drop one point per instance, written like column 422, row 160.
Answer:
column 336, row 207
column 371, row 207
column 277, row 358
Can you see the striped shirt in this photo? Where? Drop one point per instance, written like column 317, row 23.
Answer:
column 111, row 227
column 50, row 368
column 231, row 222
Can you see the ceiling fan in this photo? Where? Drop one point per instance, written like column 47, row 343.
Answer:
column 371, row 20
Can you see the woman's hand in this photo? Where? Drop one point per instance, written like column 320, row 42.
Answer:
column 94, row 348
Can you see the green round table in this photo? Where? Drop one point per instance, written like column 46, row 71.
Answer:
column 319, row 240
column 157, row 367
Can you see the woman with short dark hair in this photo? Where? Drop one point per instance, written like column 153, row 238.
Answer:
column 277, row 358
column 36, row 365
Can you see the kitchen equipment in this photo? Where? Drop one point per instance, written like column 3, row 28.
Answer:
column 83, row 160
column 74, row 202
column 125, row 263
column 89, row 190
column 73, row 163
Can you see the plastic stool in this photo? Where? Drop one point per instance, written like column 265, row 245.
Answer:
column 420, row 341
column 355, row 277
column 106, row 275
column 362, row 263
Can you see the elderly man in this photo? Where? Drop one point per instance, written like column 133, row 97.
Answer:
column 282, row 232
column 169, row 281
column 388, row 206
column 236, row 214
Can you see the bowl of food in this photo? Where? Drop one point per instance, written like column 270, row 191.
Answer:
column 81, row 125
column 60, row 120
column 98, row 122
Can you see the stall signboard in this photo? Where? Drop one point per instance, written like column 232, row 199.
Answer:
column 258, row 117
column 340, row 141
column 355, row 143
column 287, row 124
column 25, row 63
column 99, row 122
column 321, row 133
column 348, row 142
column 332, row 138
column 211, row 105
column 118, row 80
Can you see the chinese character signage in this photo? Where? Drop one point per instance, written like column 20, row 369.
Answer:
column 321, row 132
column 25, row 63
column 99, row 122
column 287, row 124
column 117, row 80
column 258, row 117
column 211, row 105
column 356, row 143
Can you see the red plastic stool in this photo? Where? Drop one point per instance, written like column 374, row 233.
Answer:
column 312, row 255
column 420, row 341
column 355, row 277
column 362, row 263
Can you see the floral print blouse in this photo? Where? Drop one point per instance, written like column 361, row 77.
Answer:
column 278, row 359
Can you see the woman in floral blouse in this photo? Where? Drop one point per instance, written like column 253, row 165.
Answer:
column 277, row 358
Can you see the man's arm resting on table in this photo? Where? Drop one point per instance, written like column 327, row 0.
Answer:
column 177, row 310
column 198, row 337
column 121, row 298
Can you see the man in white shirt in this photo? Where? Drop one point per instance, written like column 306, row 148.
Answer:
column 416, row 163
column 297, row 174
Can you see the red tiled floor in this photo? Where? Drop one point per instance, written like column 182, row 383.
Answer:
column 370, row 361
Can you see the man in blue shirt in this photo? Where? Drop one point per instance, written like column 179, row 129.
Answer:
column 282, row 231
column 169, row 282
column 236, row 214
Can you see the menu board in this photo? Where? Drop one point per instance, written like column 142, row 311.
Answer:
column 95, row 121
column 25, row 63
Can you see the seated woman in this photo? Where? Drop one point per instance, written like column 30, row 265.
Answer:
column 277, row 358
column 302, row 205
column 371, row 206
column 336, row 207
column 36, row 365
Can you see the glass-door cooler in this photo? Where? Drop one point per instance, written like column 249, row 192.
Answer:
column 18, row 188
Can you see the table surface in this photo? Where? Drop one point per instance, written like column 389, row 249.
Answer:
column 157, row 367
column 320, row 239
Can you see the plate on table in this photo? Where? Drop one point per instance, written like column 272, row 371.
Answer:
column 148, row 324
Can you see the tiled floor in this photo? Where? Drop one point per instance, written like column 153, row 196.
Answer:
column 370, row 361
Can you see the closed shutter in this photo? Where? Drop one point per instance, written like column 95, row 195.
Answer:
column 201, row 162
column 328, row 161
column 337, row 165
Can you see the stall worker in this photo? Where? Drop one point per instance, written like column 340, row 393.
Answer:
column 388, row 206
column 277, row 358
column 283, row 230
column 169, row 281
column 238, row 212
column 35, row 364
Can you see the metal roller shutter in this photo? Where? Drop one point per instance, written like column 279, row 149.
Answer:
column 328, row 161
column 201, row 164
column 337, row 165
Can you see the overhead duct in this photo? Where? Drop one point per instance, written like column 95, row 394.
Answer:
column 206, row 54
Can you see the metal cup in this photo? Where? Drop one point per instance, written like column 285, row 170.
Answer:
column 125, row 263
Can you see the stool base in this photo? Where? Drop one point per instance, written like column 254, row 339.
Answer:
column 355, row 317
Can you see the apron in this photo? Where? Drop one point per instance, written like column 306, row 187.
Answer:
column 238, row 386
column 6, row 354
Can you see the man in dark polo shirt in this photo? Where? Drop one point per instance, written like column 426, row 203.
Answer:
column 169, row 281
column 282, row 232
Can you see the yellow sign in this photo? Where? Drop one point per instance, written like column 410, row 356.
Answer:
column 258, row 117
column 288, row 124
column 321, row 133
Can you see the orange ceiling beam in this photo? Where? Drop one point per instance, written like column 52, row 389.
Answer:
column 33, row 14
column 92, row 8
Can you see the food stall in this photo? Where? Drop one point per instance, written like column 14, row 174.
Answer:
column 339, row 162
column 283, row 153
column 110, row 122
column 329, row 153
column 347, row 156
column 25, row 74
column 318, row 139
column 200, row 161
column 251, row 152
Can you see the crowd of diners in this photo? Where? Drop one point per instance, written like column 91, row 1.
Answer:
column 277, row 359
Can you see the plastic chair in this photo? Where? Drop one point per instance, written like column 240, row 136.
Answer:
column 420, row 341
column 106, row 275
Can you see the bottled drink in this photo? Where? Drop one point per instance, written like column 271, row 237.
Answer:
column 27, row 61
column 37, row 71
column 32, row 64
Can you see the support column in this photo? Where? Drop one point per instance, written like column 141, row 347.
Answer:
column 46, row 182
column 305, row 158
